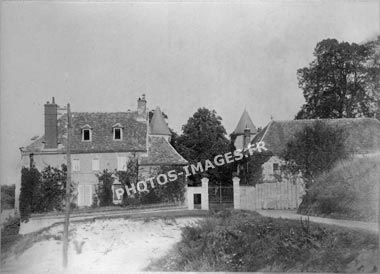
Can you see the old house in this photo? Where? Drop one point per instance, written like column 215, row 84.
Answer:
column 278, row 191
column 102, row 141
column 362, row 138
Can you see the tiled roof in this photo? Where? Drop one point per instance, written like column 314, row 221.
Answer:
column 362, row 135
column 244, row 122
column 134, row 133
column 160, row 152
column 158, row 125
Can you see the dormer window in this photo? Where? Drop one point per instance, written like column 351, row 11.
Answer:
column 117, row 132
column 86, row 133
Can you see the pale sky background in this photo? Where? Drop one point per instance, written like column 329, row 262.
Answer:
column 101, row 56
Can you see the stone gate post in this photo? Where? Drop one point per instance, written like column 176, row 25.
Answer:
column 204, row 195
column 236, row 184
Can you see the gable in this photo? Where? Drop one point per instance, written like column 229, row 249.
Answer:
column 160, row 152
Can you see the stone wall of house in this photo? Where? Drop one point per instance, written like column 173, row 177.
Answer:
column 268, row 172
column 85, row 178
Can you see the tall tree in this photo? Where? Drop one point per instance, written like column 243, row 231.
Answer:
column 336, row 83
column 203, row 138
column 315, row 149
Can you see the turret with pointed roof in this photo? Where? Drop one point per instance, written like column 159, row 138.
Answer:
column 244, row 123
column 158, row 125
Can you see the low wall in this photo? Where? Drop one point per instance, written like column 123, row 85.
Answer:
column 203, row 190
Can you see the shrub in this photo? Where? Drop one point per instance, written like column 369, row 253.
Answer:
column 42, row 191
column 7, row 196
column 173, row 191
column 104, row 188
column 247, row 242
column 30, row 179
column 350, row 190
column 251, row 168
column 51, row 190
column 315, row 150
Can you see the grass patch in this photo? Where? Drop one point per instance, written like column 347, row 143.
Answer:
column 348, row 191
column 246, row 241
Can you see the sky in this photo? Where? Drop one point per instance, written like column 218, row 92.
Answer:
column 222, row 55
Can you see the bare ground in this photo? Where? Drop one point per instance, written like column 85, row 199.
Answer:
column 102, row 246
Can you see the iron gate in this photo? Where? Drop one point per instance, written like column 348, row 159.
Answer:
column 221, row 195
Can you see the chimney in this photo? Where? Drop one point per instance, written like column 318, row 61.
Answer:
column 51, row 127
column 141, row 105
column 246, row 137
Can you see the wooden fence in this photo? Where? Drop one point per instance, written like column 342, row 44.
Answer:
column 279, row 195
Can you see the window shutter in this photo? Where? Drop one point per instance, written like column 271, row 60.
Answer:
column 95, row 164
column 122, row 163
column 76, row 165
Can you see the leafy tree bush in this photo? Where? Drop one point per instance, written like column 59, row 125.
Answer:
column 104, row 188
column 51, row 190
column 251, row 168
column 203, row 138
column 127, row 178
column 30, row 179
column 314, row 150
column 42, row 191
column 173, row 191
column 7, row 196
column 349, row 190
column 341, row 81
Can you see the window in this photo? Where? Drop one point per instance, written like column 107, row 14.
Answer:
column 122, row 163
column 117, row 134
column 76, row 165
column 95, row 164
column 86, row 133
column 85, row 195
column 117, row 131
column 276, row 168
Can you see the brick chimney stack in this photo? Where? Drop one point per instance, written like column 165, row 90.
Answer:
column 247, row 137
column 51, row 126
column 141, row 105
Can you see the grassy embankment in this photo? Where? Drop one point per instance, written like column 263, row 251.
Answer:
column 247, row 241
column 349, row 191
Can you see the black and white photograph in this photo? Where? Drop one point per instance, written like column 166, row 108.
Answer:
column 189, row 136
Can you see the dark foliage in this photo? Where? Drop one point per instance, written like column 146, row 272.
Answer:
column 315, row 149
column 251, row 168
column 42, row 191
column 104, row 188
column 247, row 242
column 171, row 192
column 341, row 82
column 7, row 196
column 203, row 138
column 50, row 193
column 30, row 179
column 349, row 191
column 127, row 178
